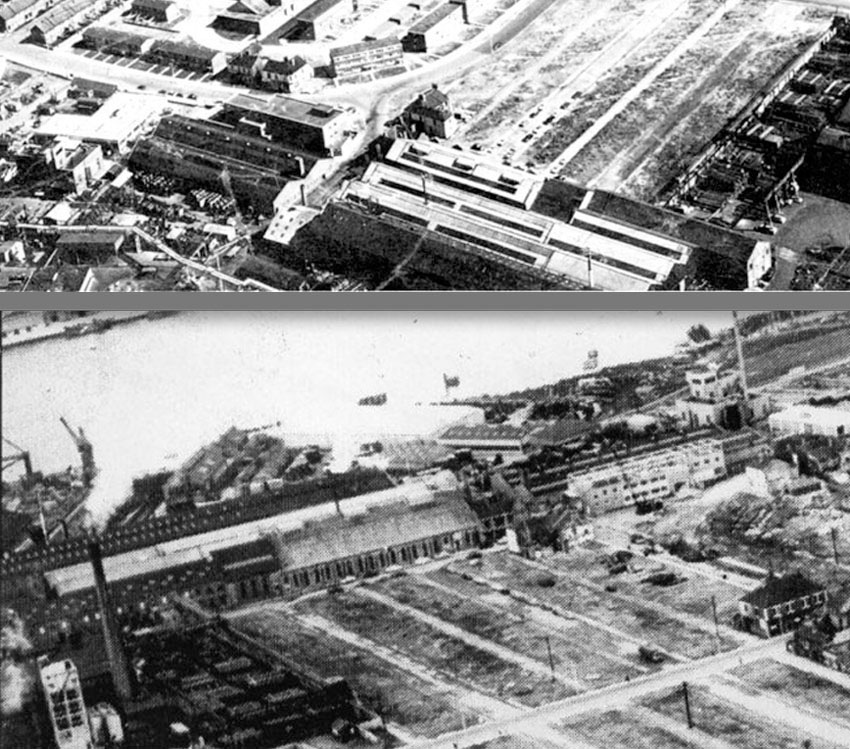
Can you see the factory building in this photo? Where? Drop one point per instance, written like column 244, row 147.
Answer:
column 319, row 19
column 484, row 438
column 188, row 55
column 320, row 555
column 431, row 113
column 114, row 126
column 252, row 18
column 224, row 567
column 160, row 11
column 199, row 150
column 650, row 477
column 301, row 125
column 803, row 419
column 64, row 696
column 439, row 27
column 366, row 57
column 53, row 25
column 716, row 399
column 551, row 227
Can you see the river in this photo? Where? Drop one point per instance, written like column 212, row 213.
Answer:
column 150, row 393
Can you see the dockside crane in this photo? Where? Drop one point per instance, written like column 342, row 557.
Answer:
column 84, row 448
column 21, row 456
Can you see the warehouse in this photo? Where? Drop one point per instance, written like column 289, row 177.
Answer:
column 366, row 57
column 320, row 18
column 655, row 476
column 161, row 11
column 62, row 19
column 801, row 419
column 252, row 18
column 486, row 438
column 297, row 124
column 114, row 126
column 484, row 204
column 17, row 13
column 438, row 27
column 322, row 554
column 197, row 151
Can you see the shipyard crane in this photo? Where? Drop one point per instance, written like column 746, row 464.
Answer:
column 84, row 448
column 21, row 456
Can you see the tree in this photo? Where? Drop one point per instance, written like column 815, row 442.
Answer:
column 699, row 333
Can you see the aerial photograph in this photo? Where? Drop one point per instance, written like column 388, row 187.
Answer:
column 355, row 145
column 608, row 530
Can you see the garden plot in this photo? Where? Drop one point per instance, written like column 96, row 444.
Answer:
column 578, row 651
column 805, row 690
column 631, row 620
column 402, row 698
column 725, row 720
column 446, row 655
column 657, row 136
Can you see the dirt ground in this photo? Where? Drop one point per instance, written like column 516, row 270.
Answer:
column 444, row 654
column 727, row 721
column 649, row 624
column 803, row 688
column 815, row 223
column 402, row 698
column 621, row 729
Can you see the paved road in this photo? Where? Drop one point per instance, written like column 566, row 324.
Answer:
column 607, row 697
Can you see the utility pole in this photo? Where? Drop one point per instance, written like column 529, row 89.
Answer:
column 687, row 704
column 716, row 624
column 551, row 659
column 834, row 533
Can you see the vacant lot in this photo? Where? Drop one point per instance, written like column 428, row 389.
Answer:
column 635, row 621
column 800, row 687
column 400, row 697
column 658, row 135
column 621, row 729
column 726, row 720
column 447, row 655
column 691, row 596
column 578, row 651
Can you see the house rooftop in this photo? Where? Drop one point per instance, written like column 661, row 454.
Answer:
column 778, row 590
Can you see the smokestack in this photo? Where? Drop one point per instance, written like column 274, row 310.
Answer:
column 114, row 651
column 739, row 346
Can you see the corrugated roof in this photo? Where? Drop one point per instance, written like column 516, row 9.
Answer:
column 483, row 431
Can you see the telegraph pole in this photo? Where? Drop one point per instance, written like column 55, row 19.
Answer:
column 833, row 531
column 687, row 704
column 551, row 659
column 716, row 624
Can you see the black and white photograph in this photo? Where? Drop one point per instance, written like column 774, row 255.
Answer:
column 424, row 145
column 465, row 530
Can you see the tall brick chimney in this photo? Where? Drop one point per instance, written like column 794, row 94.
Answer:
column 114, row 651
